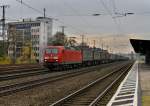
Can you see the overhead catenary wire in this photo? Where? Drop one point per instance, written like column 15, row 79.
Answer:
column 84, row 20
column 112, row 14
column 114, row 6
column 40, row 12
column 76, row 11
column 27, row 5
column 68, row 5
column 119, row 20
column 105, row 7
column 115, row 12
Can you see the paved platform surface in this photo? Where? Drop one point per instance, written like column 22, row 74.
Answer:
column 144, row 79
column 127, row 93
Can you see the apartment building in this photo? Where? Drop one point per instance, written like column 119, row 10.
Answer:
column 32, row 33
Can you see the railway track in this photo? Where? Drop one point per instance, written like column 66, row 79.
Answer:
column 12, row 88
column 9, row 89
column 21, row 74
column 92, row 93
column 14, row 67
column 20, row 71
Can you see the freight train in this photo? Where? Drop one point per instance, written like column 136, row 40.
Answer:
column 69, row 57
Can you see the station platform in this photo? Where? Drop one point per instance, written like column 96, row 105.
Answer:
column 134, row 89
column 127, row 92
column 144, row 79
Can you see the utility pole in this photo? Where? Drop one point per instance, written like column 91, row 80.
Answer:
column 99, row 42
column 12, row 35
column 93, row 50
column 44, row 12
column 110, row 50
column 107, row 47
column 63, row 29
column 94, row 44
column 102, row 46
column 3, row 26
column 82, row 42
column 87, row 41
column 82, row 39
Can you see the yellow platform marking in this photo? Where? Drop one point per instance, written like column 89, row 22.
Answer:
column 145, row 100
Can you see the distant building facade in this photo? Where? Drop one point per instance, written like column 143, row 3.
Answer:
column 34, row 34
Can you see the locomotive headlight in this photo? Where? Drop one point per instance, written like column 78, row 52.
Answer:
column 55, row 57
column 46, row 57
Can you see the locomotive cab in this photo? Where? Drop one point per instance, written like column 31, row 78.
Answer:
column 52, row 56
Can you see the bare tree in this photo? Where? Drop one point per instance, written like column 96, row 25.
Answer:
column 59, row 39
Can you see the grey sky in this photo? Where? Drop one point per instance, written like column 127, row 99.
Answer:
column 73, row 14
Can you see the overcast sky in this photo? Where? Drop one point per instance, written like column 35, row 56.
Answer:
column 76, row 16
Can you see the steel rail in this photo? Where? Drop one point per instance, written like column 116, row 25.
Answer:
column 20, row 70
column 108, row 88
column 8, row 68
column 22, row 74
column 61, row 101
column 9, row 89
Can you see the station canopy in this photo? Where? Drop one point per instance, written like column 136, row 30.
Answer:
column 141, row 46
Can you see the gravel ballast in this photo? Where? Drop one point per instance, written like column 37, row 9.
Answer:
column 47, row 94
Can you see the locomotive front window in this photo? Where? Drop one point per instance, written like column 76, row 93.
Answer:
column 51, row 50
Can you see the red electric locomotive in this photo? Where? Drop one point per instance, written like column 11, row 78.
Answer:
column 60, row 56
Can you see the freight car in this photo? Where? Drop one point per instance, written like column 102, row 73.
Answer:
column 116, row 57
column 94, row 56
column 68, row 57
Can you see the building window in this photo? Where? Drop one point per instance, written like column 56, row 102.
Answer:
column 38, row 29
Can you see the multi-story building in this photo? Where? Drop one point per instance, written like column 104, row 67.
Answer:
column 34, row 34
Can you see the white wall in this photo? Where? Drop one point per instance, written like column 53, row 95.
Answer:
column 45, row 33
